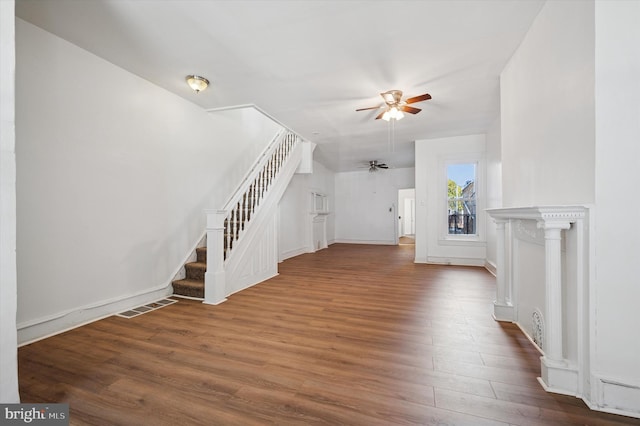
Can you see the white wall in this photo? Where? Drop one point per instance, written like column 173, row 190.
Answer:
column 494, row 188
column 616, row 270
column 114, row 175
column 365, row 205
column 432, row 243
column 547, row 105
column 570, row 131
column 294, row 234
column 8, row 302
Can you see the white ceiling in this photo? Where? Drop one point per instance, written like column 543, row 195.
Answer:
column 311, row 64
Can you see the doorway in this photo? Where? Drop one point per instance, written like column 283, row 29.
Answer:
column 406, row 216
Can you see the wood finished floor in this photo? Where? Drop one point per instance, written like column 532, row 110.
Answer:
column 354, row 335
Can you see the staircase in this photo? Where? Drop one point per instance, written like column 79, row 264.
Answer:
column 193, row 284
column 256, row 197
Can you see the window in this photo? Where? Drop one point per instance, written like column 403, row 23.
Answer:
column 461, row 199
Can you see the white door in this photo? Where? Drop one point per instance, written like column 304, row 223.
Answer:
column 409, row 216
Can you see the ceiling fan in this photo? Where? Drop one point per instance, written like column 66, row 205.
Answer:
column 394, row 105
column 374, row 166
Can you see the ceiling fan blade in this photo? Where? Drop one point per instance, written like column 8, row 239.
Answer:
column 365, row 109
column 410, row 110
column 383, row 166
column 420, row 98
column 380, row 115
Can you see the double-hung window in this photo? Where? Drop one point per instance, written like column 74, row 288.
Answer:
column 461, row 199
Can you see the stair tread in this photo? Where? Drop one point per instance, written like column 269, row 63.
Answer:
column 201, row 265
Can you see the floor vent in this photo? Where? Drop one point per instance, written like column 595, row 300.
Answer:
column 146, row 308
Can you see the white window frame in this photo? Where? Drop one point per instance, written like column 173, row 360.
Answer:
column 462, row 239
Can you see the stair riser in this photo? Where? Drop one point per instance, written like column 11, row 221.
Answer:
column 188, row 291
column 194, row 273
column 202, row 254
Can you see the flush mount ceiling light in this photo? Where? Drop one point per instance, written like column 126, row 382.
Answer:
column 197, row 83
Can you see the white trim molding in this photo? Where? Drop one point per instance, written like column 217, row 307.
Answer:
column 615, row 396
column 456, row 261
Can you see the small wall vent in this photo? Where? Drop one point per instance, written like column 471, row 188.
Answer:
column 146, row 308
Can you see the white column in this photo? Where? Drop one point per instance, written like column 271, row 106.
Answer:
column 500, row 263
column 553, row 291
column 215, row 278
column 502, row 308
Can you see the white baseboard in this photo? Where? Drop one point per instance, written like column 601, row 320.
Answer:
column 41, row 328
column 376, row 242
column 615, row 396
column 457, row 261
column 293, row 253
column 491, row 267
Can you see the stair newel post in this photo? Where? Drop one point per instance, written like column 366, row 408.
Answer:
column 214, row 278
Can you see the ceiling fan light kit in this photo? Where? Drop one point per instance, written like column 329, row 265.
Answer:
column 393, row 113
column 395, row 107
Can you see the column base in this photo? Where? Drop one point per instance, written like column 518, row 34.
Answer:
column 214, row 288
column 558, row 377
column 503, row 312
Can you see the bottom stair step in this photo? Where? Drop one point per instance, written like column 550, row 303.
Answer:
column 189, row 288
